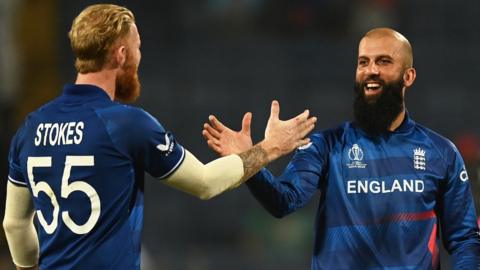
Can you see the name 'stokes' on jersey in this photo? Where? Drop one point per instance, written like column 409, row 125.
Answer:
column 83, row 158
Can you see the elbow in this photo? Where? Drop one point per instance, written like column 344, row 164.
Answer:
column 7, row 225
column 278, row 210
column 278, row 214
column 11, row 226
column 207, row 189
column 205, row 196
column 205, row 192
column 16, row 226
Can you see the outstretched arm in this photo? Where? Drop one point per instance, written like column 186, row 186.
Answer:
column 206, row 181
column 279, row 195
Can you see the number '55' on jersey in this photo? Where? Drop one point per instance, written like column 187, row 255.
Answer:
column 83, row 158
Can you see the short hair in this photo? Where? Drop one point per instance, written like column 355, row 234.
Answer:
column 94, row 31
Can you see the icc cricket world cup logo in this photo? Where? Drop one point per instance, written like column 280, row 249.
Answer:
column 355, row 154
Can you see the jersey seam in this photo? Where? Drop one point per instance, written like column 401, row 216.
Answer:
column 447, row 166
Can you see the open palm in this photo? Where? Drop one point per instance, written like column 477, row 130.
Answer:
column 281, row 136
column 226, row 141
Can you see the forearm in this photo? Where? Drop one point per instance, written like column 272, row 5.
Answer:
column 254, row 160
column 286, row 193
column 272, row 194
column 207, row 180
column 19, row 229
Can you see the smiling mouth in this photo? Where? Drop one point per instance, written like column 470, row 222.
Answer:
column 372, row 88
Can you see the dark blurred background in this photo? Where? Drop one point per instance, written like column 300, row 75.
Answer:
column 226, row 57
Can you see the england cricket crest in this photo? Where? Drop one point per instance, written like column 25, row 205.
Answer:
column 419, row 159
column 355, row 154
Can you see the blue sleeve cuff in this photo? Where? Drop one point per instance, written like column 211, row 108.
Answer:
column 16, row 182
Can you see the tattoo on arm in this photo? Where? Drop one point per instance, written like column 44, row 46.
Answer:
column 253, row 160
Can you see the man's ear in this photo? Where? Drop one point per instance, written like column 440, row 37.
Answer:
column 120, row 56
column 409, row 76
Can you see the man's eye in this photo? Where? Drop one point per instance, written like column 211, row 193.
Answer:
column 362, row 63
column 384, row 61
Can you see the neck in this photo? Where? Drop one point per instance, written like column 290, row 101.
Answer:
column 398, row 121
column 105, row 79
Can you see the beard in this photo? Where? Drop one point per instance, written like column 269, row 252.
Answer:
column 127, row 85
column 376, row 114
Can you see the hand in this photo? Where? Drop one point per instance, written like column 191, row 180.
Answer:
column 224, row 140
column 282, row 137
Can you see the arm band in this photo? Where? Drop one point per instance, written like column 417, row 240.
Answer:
column 207, row 180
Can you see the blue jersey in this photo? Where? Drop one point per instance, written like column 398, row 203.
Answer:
column 383, row 201
column 83, row 158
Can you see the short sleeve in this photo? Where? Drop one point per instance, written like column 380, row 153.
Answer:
column 15, row 174
column 143, row 139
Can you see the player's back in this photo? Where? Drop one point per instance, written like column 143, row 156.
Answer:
column 88, row 196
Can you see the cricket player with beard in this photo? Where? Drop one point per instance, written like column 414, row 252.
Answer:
column 78, row 162
column 387, row 184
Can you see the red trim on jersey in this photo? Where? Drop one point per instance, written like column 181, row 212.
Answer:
column 402, row 217
column 412, row 216
column 432, row 246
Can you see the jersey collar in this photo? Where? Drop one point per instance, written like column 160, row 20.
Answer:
column 407, row 124
column 84, row 91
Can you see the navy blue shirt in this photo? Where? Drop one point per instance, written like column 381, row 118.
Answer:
column 83, row 158
column 383, row 200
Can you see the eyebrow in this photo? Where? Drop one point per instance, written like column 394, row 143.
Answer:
column 363, row 57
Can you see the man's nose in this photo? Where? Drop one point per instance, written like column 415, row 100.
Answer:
column 372, row 69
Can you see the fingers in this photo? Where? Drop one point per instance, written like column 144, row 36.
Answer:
column 212, row 142
column 211, row 132
column 214, row 147
column 216, row 124
column 302, row 117
column 306, row 127
column 274, row 110
column 246, row 123
column 303, row 142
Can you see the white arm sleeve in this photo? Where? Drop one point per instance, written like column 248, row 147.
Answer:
column 19, row 229
column 207, row 180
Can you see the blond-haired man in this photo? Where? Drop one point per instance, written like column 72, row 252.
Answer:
column 78, row 162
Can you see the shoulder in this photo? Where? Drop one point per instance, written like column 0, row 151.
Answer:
column 331, row 135
column 445, row 147
column 27, row 123
column 326, row 139
column 129, row 117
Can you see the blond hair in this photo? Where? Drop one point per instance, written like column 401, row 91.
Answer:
column 94, row 32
